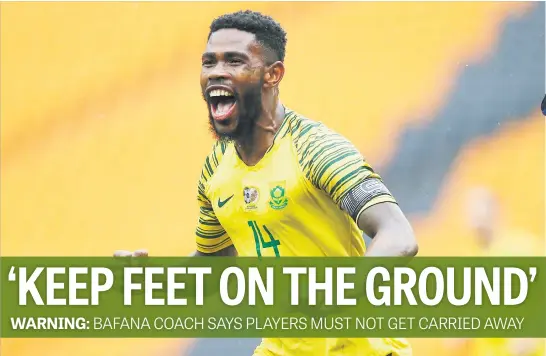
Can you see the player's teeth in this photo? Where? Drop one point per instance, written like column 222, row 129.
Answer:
column 220, row 92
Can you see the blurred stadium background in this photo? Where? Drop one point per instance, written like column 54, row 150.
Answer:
column 103, row 128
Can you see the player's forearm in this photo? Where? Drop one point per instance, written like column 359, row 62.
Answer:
column 395, row 241
column 390, row 230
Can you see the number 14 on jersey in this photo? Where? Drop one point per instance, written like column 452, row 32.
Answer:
column 259, row 240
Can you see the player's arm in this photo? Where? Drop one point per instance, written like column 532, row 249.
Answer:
column 210, row 237
column 389, row 229
column 332, row 164
column 375, row 211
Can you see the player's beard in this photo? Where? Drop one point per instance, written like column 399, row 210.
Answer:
column 249, row 108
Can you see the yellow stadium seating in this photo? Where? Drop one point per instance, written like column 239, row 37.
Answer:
column 103, row 128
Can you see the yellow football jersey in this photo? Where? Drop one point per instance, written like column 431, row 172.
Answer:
column 289, row 204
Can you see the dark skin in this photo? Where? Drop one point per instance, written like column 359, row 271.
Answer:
column 235, row 60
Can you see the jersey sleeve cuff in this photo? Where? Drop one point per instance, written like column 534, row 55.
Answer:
column 213, row 249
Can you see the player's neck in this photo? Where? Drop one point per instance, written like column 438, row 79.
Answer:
column 252, row 149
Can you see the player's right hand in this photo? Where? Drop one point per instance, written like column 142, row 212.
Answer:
column 137, row 253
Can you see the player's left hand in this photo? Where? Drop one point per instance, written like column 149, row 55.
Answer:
column 125, row 253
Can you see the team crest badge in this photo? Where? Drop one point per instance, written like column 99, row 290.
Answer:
column 251, row 196
column 277, row 193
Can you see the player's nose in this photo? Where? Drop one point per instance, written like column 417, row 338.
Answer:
column 218, row 73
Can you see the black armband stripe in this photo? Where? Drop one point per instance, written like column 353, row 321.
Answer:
column 362, row 194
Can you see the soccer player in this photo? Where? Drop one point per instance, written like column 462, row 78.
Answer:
column 278, row 184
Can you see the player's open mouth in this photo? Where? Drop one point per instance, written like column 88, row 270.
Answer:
column 222, row 103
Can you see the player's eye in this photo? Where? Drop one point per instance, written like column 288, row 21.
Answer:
column 235, row 61
column 207, row 63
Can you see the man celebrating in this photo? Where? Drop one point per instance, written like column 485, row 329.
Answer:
column 279, row 184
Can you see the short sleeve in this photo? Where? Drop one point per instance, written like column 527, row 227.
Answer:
column 332, row 163
column 209, row 234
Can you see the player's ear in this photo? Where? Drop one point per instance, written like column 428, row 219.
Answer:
column 273, row 74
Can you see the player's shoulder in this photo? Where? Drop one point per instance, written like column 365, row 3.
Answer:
column 306, row 132
column 213, row 160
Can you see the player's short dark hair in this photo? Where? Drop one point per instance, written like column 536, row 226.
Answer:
column 267, row 31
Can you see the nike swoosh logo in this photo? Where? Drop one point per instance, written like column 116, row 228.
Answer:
column 222, row 203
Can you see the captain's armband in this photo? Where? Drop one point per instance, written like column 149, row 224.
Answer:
column 362, row 194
